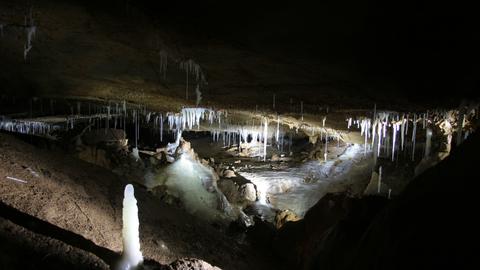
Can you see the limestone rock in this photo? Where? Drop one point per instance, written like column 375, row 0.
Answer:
column 248, row 192
column 229, row 174
column 285, row 216
column 191, row 264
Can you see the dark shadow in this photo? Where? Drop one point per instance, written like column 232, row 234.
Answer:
column 39, row 226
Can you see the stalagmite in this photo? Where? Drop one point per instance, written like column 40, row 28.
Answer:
column 428, row 142
column 131, row 256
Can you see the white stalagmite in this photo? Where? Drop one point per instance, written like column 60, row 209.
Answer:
column 132, row 256
column 428, row 143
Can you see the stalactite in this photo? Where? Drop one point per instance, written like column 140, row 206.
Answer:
column 414, row 134
column 395, row 129
column 161, row 128
column 325, row 154
column 198, row 94
column 190, row 67
column 31, row 30
column 379, row 179
column 163, row 63
column 402, row 131
column 265, row 131
column 301, row 109
column 277, row 133
column 379, row 134
column 406, row 124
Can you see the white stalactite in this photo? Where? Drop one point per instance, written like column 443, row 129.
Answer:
column 301, row 109
column 402, row 132
column 161, row 127
column 265, row 131
column 198, row 94
column 325, row 154
column 163, row 63
column 379, row 134
column 414, row 134
column 395, row 129
column 277, row 134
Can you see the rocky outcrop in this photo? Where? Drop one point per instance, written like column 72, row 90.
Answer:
column 285, row 216
column 424, row 227
column 190, row 264
column 238, row 190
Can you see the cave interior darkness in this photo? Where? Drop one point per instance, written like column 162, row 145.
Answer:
column 238, row 134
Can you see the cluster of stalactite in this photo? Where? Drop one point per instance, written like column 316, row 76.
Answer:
column 390, row 132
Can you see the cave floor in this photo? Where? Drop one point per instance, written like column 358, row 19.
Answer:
column 85, row 200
